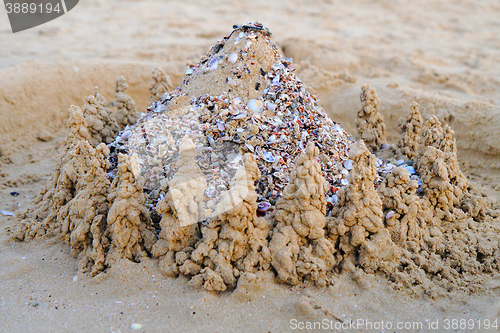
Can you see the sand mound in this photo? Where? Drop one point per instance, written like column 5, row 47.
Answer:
column 238, row 171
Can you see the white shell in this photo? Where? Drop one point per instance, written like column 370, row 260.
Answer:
column 410, row 169
column 189, row 71
column 214, row 66
column 270, row 106
column 135, row 326
column 255, row 105
column 240, row 116
column 232, row 58
column 249, row 146
column 389, row 215
column 160, row 108
column 268, row 157
column 348, row 164
column 125, row 135
column 333, row 199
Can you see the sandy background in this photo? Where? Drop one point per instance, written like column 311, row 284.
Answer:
column 445, row 55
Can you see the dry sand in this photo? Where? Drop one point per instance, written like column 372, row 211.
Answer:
column 442, row 55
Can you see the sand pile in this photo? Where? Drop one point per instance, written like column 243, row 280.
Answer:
column 238, row 171
column 299, row 246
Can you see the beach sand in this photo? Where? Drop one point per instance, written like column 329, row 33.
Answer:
column 442, row 55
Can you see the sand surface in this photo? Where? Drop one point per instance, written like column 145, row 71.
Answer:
column 444, row 55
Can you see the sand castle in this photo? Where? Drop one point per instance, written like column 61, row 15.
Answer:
column 238, row 170
column 160, row 85
column 410, row 129
column 299, row 247
column 358, row 222
column 125, row 113
column 370, row 122
column 101, row 125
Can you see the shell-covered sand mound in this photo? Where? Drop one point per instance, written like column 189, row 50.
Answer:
column 238, row 170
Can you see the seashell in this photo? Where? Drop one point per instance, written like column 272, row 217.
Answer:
column 125, row 135
column 233, row 110
column 333, row 199
column 232, row 58
column 210, row 191
column 263, row 206
column 211, row 141
column 214, row 66
column 348, row 164
column 344, row 182
column 255, row 105
column 277, row 121
column 410, row 169
column 249, row 146
column 276, row 79
column 150, row 149
column 270, row 106
column 239, row 115
column 399, row 162
column 237, row 100
column 337, row 128
column 272, row 139
column 189, row 71
column 268, row 157
column 278, row 174
column 389, row 215
column 160, row 108
column 221, row 126
column 135, row 326
column 241, row 34
column 162, row 150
